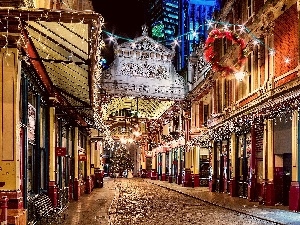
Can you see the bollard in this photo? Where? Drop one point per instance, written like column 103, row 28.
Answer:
column 4, row 201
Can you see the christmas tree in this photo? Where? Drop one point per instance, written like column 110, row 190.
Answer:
column 121, row 160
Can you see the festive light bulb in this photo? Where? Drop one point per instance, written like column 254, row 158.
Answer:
column 287, row 60
column 194, row 34
column 242, row 28
column 271, row 52
column 240, row 75
column 111, row 38
column 209, row 23
column 255, row 42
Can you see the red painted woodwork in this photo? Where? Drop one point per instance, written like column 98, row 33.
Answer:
column 52, row 192
column 179, row 179
column 294, row 196
column 187, row 178
column 163, row 177
column 15, row 199
column 269, row 193
column 88, row 185
column 233, row 188
column 212, row 185
column 196, row 180
column 153, row 175
column 3, row 216
column 76, row 193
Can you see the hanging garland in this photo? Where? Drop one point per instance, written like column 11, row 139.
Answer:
column 209, row 52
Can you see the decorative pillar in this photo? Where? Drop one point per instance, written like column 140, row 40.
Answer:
column 93, row 163
column 252, row 174
column 196, row 167
column 10, row 132
column 179, row 166
column 170, row 177
column 52, row 188
column 294, row 194
column 269, row 192
column 76, row 193
column 233, row 181
column 153, row 167
column 88, row 167
column 143, row 157
column 163, row 166
column 213, row 166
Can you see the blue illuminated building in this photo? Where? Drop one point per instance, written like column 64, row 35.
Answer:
column 183, row 20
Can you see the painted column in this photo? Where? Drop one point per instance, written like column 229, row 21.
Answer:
column 269, row 183
column 10, row 132
column 93, row 158
column 213, row 169
column 179, row 166
column 163, row 166
column 143, row 157
column 196, row 167
column 76, row 179
column 88, row 166
column 294, row 194
column 233, row 181
column 252, row 174
column 170, row 178
column 52, row 188
column 98, row 147
column 153, row 166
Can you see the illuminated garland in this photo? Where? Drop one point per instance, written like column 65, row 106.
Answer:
column 209, row 52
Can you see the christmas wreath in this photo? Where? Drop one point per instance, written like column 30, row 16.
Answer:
column 209, row 52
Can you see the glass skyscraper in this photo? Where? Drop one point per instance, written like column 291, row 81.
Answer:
column 182, row 21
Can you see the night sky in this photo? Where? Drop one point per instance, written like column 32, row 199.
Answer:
column 122, row 17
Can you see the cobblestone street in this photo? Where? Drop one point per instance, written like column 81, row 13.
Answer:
column 93, row 208
column 138, row 201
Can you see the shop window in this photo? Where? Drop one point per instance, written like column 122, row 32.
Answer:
column 250, row 8
column 206, row 114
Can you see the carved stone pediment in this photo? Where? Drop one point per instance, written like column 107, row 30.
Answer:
column 143, row 67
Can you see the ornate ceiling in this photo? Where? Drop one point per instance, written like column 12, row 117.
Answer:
column 144, row 108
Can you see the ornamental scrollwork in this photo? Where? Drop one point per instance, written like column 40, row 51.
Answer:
column 144, row 70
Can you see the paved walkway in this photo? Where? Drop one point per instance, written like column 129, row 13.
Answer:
column 93, row 208
column 279, row 214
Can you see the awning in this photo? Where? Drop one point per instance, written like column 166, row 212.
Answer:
column 62, row 46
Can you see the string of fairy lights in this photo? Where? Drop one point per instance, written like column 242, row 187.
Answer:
column 210, row 24
column 232, row 125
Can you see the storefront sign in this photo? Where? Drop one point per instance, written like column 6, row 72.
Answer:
column 60, row 151
column 82, row 157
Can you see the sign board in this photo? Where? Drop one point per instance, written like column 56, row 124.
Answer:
column 60, row 151
column 82, row 157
